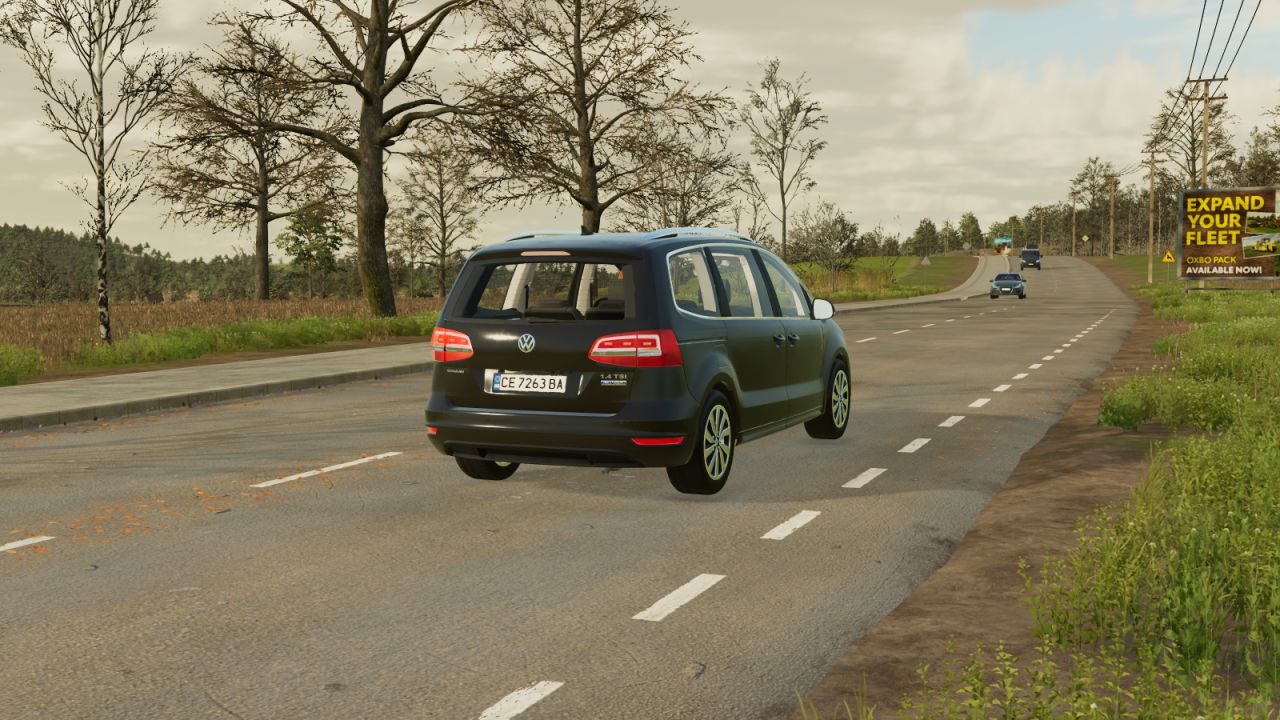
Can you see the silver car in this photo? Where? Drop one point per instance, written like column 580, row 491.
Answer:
column 1009, row 284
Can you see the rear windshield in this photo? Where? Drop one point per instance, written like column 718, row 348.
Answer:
column 1008, row 276
column 1030, row 252
column 551, row 291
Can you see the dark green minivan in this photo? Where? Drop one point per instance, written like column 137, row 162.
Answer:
column 662, row 349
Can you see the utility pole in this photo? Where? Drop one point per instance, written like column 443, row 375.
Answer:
column 1073, row 224
column 1204, row 123
column 1111, row 252
column 1151, row 217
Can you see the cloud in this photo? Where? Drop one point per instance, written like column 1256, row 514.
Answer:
column 924, row 121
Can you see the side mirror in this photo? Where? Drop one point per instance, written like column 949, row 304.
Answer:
column 823, row 310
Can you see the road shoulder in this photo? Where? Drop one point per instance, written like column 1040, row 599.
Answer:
column 975, row 598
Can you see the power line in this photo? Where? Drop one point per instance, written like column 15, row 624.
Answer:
column 1209, row 48
column 1227, row 44
column 1240, row 45
column 1164, row 126
column 1196, row 48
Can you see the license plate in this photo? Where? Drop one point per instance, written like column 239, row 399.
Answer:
column 1006, row 289
column 504, row 382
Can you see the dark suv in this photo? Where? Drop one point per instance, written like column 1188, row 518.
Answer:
column 664, row 349
column 1030, row 258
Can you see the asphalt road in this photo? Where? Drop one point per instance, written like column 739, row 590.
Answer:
column 171, row 587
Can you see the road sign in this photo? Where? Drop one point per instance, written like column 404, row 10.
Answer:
column 1168, row 257
column 924, row 261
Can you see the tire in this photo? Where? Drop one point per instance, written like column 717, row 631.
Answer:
column 831, row 424
column 993, row 297
column 1022, row 296
column 486, row 469
column 713, row 450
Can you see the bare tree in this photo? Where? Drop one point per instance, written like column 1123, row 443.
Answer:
column 125, row 84
column 693, row 187
column 751, row 206
column 223, row 165
column 827, row 236
column 592, row 104
column 779, row 114
column 442, row 208
column 374, row 57
column 1178, row 131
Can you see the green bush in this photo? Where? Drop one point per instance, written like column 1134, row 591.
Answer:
column 17, row 363
column 256, row 335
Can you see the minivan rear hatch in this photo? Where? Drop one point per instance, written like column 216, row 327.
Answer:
column 531, row 322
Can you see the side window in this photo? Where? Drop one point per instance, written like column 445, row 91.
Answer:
column 791, row 299
column 741, row 283
column 691, row 284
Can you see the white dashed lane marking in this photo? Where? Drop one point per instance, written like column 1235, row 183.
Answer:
column 1000, row 388
column 520, row 700
column 1034, row 366
column 801, row 519
column 1020, row 376
column 914, row 445
column 865, row 477
column 979, row 402
column 323, row 470
column 951, row 421
column 34, row 540
column 902, row 331
column 865, row 340
column 678, row 597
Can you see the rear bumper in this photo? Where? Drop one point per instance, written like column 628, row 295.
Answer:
column 544, row 438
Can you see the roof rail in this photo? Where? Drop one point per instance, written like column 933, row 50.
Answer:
column 678, row 231
column 530, row 234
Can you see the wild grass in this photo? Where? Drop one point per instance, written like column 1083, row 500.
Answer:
column 17, row 363
column 253, row 335
column 61, row 331
column 882, row 278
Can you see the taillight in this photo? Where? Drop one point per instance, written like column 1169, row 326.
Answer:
column 449, row 345
column 648, row 348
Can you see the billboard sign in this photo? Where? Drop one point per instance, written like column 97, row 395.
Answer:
column 1224, row 234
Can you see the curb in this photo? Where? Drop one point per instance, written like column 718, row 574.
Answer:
column 185, row 400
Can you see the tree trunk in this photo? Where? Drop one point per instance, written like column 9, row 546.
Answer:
column 262, row 250
column 371, row 217
column 100, row 173
column 591, row 218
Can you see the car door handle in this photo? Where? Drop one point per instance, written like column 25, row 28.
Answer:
column 777, row 340
column 794, row 339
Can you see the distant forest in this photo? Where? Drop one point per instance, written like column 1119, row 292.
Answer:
column 48, row 265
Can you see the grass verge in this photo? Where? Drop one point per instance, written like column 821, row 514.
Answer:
column 253, row 335
column 17, row 363
column 189, row 343
column 885, row 278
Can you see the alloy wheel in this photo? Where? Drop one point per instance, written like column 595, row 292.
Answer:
column 840, row 398
column 717, row 442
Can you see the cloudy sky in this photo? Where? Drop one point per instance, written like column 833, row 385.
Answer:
column 936, row 107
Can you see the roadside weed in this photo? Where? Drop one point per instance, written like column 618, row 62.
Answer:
column 17, row 363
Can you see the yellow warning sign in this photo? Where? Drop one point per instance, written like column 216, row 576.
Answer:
column 1168, row 257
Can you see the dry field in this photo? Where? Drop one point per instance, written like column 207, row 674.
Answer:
column 58, row 329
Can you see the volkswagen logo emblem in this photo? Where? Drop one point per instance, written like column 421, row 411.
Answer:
column 525, row 343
